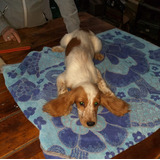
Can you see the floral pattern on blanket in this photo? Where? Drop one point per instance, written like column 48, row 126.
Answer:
column 131, row 69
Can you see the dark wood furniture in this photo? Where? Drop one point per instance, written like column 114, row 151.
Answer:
column 147, row 21
column 18, row 137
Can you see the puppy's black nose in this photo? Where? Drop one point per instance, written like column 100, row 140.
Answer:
column 90, row 123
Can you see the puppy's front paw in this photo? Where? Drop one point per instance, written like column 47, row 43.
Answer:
column 57, row 49
column 99, row 56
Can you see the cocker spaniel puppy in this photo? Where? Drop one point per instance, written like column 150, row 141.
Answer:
column 87, row 87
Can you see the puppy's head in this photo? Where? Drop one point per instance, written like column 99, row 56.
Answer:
column 87, row 104
column 87, row 98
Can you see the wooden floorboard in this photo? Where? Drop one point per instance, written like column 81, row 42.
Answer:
column 15, row 131
column 29, row 151
column 7, row 105
column 2, row 84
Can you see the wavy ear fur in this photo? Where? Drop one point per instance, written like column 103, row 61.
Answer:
column 61, row 105
column 114, row 104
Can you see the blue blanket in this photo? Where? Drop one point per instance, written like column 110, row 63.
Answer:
column 132, row 70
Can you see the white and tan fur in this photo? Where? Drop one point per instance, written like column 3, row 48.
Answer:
column 87, row 87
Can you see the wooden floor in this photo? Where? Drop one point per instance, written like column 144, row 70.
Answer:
column 18, row 137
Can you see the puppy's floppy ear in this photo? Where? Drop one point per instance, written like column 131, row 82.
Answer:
column 114, row 104
column 61, row 105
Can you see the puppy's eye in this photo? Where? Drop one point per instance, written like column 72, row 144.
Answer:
column 96, row 104
column 81, row 103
